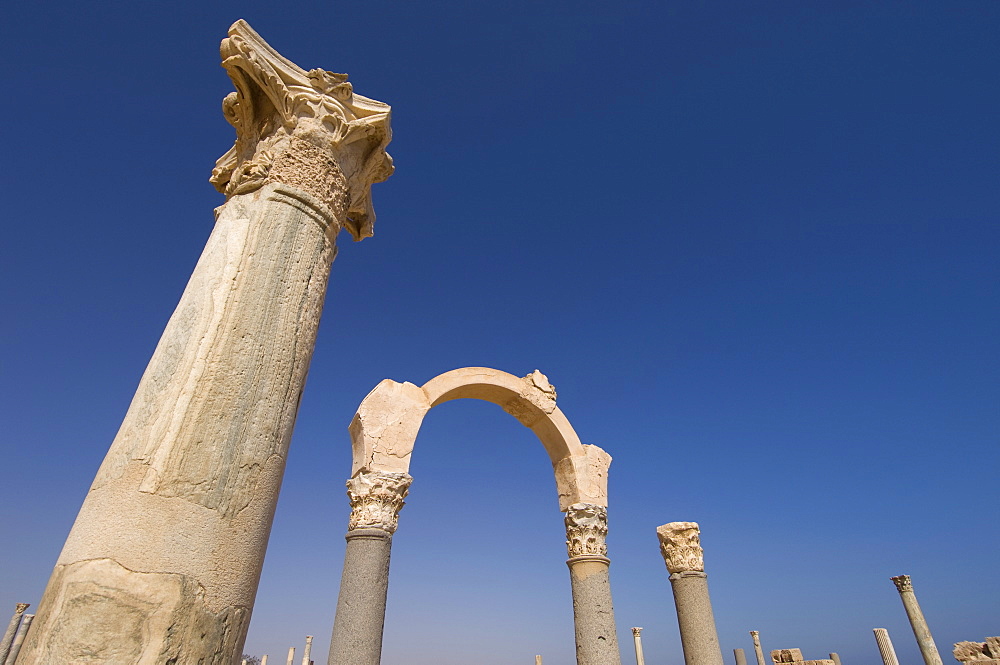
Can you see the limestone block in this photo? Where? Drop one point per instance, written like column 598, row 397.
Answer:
column 786, row 656
column 981, row 653
column 583, row 478
column 993, row 647
column 385, row 427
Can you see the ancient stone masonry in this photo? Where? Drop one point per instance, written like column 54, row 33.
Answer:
column 978, row 653
column 8, row 636
column 586, row 530
column 921, row 631
column 783, row 656
column 376, row 499
column 637, row 639
column 680, row 544
column 163, row 561
column 885, row 647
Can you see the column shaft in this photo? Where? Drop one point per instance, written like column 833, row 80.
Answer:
column 8, row 636
column 291, row 656
column 921, row 631
column 637, row 639
column 885, row 646
column 22, row 631
column 835, row 657
column 364, row 585
column 593, row 612
column 741, row 657
column 695, row 619
column 307, row 651
column 756, row 646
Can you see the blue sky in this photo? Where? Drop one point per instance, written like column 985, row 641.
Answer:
column 753, row 245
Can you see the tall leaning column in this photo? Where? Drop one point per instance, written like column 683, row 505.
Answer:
column 376, row 499
column 163, row 561
column 917, row 621
column 682, row 552
column 593, row 613
column 755, row 634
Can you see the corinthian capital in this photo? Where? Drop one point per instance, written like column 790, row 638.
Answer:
column 376, row 499
column 902, row 583
column 21, row 607
column 305, row 129
column 680, row 546
column 586, row 530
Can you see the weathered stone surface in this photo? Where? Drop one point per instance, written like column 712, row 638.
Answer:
column 593, row 612
column 163, row 561
column 385, row 427
column 680, row 546
column 921, row 631
column 586, row 530
column 758, row 651
column 8, row 636
column 885, row 647
column 376, row 499
column 786, row 656
column 981, row 653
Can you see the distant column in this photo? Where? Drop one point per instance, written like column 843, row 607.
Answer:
column 15, row 647
column 308, row 650
column 376, row 499
column 8, row 637
column 755, row 634
column 835, row 658
column 263, row 660
column 637, row 638
column 291, row 656
column 917, row 622
column 741, row 657
column 885, row 647
column 682, row 552
column 593, row 612
column 538, row 660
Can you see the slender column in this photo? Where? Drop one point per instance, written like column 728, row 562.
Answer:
column 291, row 656
column 835, row 657
column 376, row 499
column 163, row 562
column 741, row 657
column 917, row 622
column 755, row 634
column 682, row 552
column 538, row 660
column 22, row 631
column 307, row 652
column 885, row 647
column 263, row 659
column 8, row 636
column 593, row 612
column 637, row 638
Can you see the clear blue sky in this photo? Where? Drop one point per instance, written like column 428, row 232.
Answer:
column 753, row 245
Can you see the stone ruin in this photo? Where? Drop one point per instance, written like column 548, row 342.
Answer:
column 783, row 656
column 980, row 653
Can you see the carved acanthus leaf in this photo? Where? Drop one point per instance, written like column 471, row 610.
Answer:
column 21, row 607
column 586, row 530
column 279, row 109
column 680, row 546
column 903, row 583
column 376, row 499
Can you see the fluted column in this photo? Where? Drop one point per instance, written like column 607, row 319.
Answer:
column 163, row 561
column 928, row 649
column 376, row 499
column 593, row 612
column 15, row 647
column 755, row 634
column 682, row 552
column 885, row 647
column 8, row 636
column 637, row 639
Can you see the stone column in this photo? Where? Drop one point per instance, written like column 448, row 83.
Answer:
column 885, row 647
column 8, row 636
column 291, row 656
column 741, row 657
column 682, row 552
column 835, row 657
column 637, row 639
column 593, row 612
column 538, row 660
column 917, row 622
column 22, row 631
column 163, row 562
column 263, row 659
column 376, row 499
column 307, row 652
column 755, row 634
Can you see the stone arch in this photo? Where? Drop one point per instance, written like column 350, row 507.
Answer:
column 385, row 427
